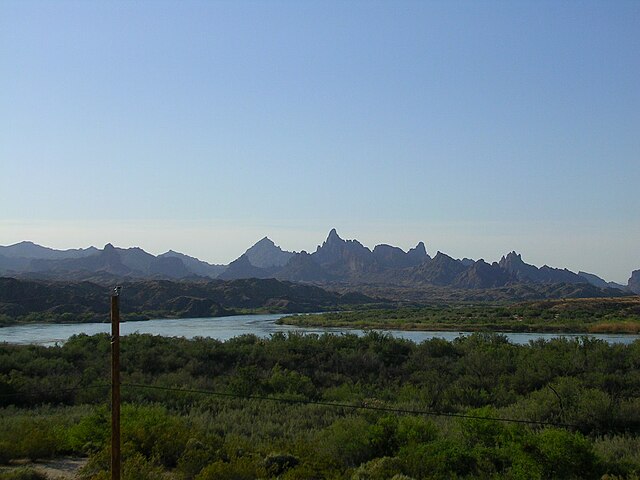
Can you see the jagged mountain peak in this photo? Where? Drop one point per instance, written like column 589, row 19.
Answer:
column 418, row 254
column 344, row 258
column 419, row 249
column 265, row 241
column 333, row 237
column 467, row 262
column 512, row 256
column 336, row 260
column 441, row 256
column 266, row 254
column 481, row 274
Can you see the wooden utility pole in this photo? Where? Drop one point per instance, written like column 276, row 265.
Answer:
column 115, row 384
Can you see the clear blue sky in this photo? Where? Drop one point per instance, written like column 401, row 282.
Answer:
column 477, row 127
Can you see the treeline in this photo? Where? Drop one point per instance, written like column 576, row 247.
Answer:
column 53, row 403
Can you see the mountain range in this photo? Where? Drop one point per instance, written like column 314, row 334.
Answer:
column 335, row 261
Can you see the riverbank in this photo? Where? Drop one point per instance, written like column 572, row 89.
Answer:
column 576, row 316
column 632, row 328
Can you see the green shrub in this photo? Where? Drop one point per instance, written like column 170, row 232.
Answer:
column 242, row 468
column 278, row 463
column 22, row 473
column 198, row 454
column 381, row 468
column 563, row 454
column 91, row 433
column 346, row 442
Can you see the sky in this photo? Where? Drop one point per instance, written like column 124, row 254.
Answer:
column 202, row 126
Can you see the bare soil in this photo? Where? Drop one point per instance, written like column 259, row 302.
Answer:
column 65, row 468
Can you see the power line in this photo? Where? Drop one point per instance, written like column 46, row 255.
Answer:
column 433, row 413
column 46, row 392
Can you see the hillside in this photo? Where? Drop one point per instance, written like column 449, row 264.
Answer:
column 30, row 301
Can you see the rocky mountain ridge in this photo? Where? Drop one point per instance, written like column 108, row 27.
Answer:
column 335, row 261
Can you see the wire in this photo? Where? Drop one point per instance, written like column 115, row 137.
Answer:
column 346, row 405
column 433, row 413
column 45, row 392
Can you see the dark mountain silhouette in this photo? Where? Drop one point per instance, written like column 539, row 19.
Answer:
column 135, row 258
column 31, row 250
column 168, row 267
column 522, row 271
column 302, row 268
column 266, row 254
column 441, row 270
column 418, row 254
column 242, row 268
column 483, row 275
column 107, row 260
column 163, row 298
column 599, row 282
column 387, row 256
column 335, row 260
column 131, row 262
column 338, row 262
column 196, row 266
column 11, row 264
column 347, row 259
column 634, row 282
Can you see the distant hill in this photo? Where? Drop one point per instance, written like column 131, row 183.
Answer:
column 119, row 262
column 85, row 301
column 31, row 250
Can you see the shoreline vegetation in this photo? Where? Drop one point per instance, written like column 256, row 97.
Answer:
column 341, row 407
column 610, row 315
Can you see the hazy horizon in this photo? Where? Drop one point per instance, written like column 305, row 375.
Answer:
column 478, row 128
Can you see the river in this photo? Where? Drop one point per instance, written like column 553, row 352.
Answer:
column 224, row 328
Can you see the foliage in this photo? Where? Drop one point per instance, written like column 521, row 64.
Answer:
column 588, row 389
column 22, row 473
column 594, row 315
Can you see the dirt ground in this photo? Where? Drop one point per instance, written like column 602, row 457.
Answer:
column 66, row 468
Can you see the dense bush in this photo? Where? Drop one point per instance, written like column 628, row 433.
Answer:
column 589, row 389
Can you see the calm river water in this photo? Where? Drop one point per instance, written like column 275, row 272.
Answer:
column 224, row 328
